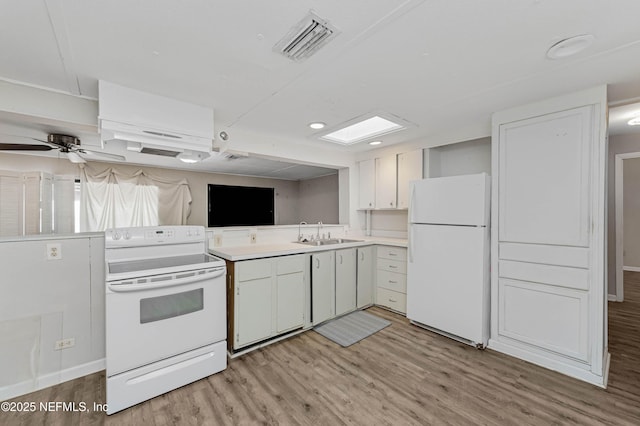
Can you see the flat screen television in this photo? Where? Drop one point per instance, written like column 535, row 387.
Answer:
column 240, row 205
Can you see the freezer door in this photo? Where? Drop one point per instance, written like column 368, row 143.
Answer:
column 448, row 280
column 455, row 200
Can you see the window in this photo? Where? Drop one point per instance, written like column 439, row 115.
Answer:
column 34, row 203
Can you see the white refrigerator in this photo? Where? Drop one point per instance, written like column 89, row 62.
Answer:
column 448, row 275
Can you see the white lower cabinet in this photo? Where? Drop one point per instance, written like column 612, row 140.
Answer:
column 364, row 279
column 290, row 301
column 252, row 313
column 345, row 281
column 391, row 278
column 268, row 298
column 273, row 296
column 323, row 285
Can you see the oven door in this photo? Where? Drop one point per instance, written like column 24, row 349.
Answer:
column 154, row 318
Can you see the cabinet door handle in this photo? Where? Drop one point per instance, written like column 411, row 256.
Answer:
column 393, row 267
column 318, row 263
column 392, row 300
column 362, row 255
column 393, row 282
column 340, row 259
column 392, row 254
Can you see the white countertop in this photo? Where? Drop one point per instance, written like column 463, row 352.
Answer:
column 256, row 251
column 37, row 237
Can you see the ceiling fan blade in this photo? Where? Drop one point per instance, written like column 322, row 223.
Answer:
column 24, row 147
column 74, row 157
column 52, row 145
column 105, row 155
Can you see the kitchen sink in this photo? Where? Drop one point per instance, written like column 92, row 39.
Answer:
column 328, row 241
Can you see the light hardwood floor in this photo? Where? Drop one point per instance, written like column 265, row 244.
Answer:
column 401, row 375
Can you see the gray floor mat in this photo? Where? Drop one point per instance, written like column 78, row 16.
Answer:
column 352, row 328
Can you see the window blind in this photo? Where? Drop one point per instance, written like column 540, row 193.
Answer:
column 63, row 204
column 10, row 204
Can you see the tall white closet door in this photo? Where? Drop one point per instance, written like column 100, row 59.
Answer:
column 548, row 234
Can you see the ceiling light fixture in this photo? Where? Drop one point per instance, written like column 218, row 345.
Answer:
column 375, row 142
column 634, row 121
column 365, row 129
column 570, row 46
column 317, row 125
column 188, row 156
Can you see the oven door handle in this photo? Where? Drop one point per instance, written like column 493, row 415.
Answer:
column 168, row 283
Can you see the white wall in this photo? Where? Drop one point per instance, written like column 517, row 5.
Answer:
column 632, row 212
column 617, row 145
column 461, row 158
column 318, row 199
column 43, row 301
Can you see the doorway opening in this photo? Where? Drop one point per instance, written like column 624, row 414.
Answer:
column 619, row 221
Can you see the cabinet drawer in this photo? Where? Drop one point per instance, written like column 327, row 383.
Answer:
column 392, row 299
column 290, row 264
column 253, row 269
column 392, row 281
column 396, row 266
column 395, row 253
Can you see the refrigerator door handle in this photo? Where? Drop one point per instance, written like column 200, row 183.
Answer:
column 410, row 248
column 411, row 197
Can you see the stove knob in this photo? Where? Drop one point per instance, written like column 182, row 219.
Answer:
column 116, row 236
column 127, row 236
column 188, row 233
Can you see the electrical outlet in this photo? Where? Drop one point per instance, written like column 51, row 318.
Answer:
column 253, row 237
column 54, row 251
column 217, row 240
column 65, row 344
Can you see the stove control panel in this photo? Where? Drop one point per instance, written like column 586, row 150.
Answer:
column 153, row 235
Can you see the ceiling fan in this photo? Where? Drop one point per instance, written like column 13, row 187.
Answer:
column 69, row 145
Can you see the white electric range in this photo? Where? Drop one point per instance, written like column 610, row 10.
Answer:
column 165, row 312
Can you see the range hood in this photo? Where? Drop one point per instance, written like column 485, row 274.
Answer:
column 153, row 124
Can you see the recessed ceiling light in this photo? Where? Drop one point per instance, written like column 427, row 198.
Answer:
column 634, row 121
column 317, row 125
column 375, row 142
column 365, row 129
column 570, row 46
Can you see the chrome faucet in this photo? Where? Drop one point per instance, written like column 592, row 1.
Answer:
column 299, row 230
column 319, row 228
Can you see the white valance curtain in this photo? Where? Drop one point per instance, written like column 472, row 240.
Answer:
column 112, row 199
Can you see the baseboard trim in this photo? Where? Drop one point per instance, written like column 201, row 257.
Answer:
column 631, row 268
column 51, row 379
column 551, row 364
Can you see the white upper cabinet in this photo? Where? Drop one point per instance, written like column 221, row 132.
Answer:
column 366, row 184
column 409, row 168
column 386, row 182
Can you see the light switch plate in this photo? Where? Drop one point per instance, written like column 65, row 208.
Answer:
column 54, row 251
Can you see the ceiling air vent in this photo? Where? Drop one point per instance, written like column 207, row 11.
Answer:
column 306, row 38
column 157, row 151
